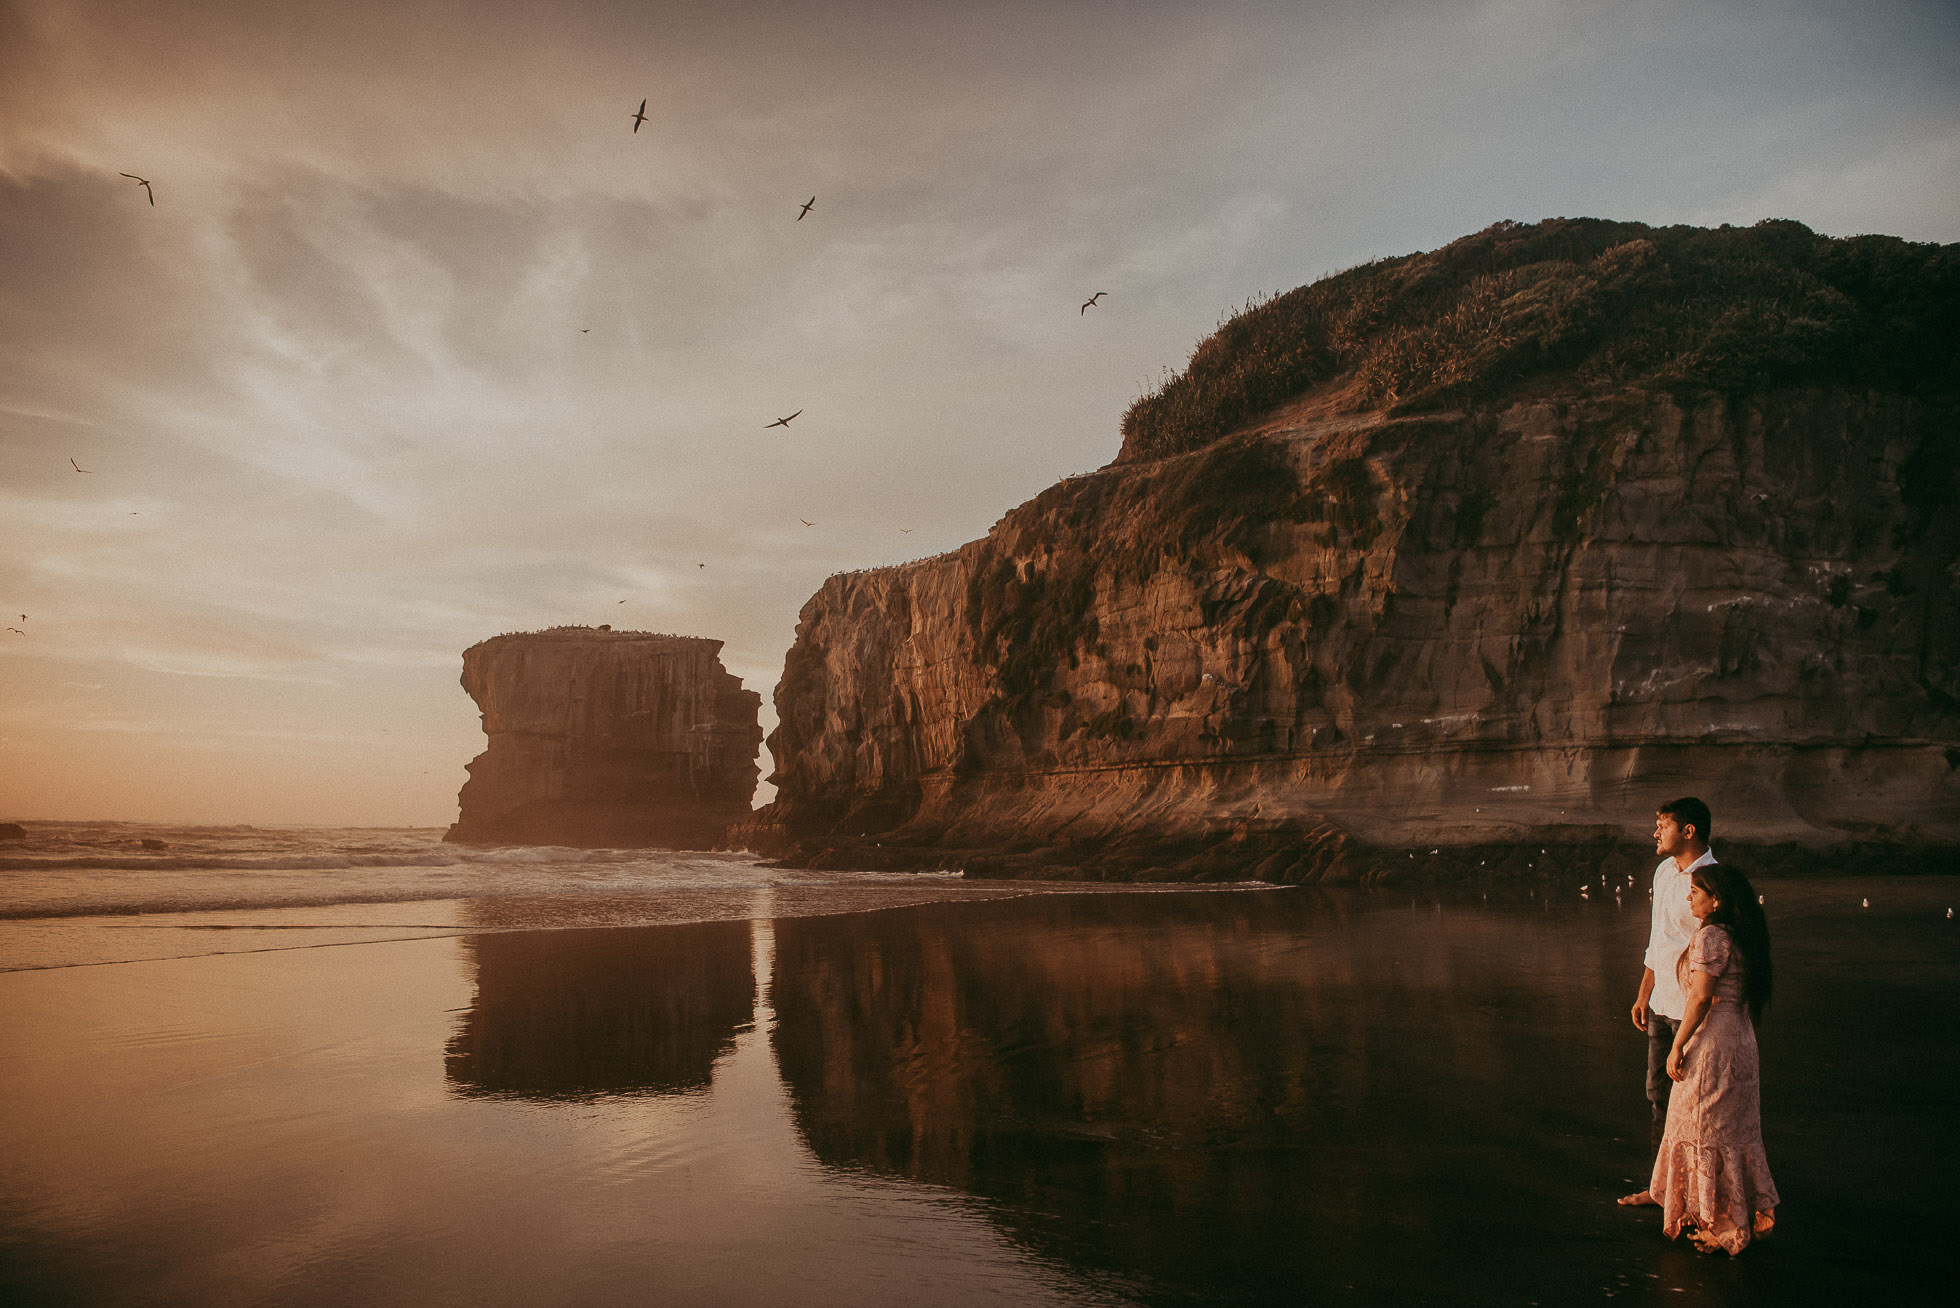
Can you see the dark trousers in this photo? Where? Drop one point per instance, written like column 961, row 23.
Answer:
column 1660, row 1039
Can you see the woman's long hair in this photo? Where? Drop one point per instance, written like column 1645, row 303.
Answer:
column 1738, row 909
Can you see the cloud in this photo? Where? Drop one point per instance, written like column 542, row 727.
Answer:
column 422, row 343
column 206, row 663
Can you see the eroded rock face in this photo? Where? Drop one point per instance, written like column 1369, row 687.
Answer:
column 607, row 738
column 1526, row 620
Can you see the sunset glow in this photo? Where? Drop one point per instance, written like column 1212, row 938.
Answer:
column 421, row 341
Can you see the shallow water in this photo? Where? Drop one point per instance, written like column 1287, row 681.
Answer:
column 103, row 868
column 1255, row 1097
column 91, row 893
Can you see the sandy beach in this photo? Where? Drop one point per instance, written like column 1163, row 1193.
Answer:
column 1176, row 1098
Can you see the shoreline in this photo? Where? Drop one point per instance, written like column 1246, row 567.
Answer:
column 53, row 942
column 1165, row 1096
column 1332, row 859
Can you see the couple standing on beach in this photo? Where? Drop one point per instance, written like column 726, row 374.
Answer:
column 1707, row 978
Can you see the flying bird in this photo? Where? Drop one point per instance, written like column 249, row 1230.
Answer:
column 17, row 631
column 806, row 522
column 906, row 530
column 144, row 184
column 1090, row 302
column 78, row 467
column 809, row 205
column 784, row 422
column 639, row 117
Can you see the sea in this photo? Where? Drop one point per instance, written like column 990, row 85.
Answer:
column 114, row 892
column 339, row 1065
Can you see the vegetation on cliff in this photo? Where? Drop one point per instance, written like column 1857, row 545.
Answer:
column 577, row 633
column 1608, row 303
column 1032, row 592
column 1440, row 550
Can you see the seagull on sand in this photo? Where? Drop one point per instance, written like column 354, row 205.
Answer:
column 144, row 184
column 809, row 205
column 78, row 467
column 783, row 422
column 639, row 117
column 1090, row 303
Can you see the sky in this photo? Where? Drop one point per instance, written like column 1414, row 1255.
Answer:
column 421, row 342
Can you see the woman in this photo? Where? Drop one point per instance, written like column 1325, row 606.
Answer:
column 1711, row 1178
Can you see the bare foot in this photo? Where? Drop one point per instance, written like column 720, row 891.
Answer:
column 1640, row 1200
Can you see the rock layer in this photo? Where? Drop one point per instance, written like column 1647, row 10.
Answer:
column 1485, row 550
column 607, row 738
column 1454, row 629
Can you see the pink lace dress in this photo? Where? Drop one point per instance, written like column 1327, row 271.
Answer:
column 1711, row 1171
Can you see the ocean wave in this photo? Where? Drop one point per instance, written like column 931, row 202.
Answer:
column 124, row 859
column 545, row 854
column 202, row 871
column 222, row 862
column 205, row 904
column 615, row 894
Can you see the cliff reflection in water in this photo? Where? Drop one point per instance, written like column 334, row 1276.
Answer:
column 1235, row 1095
column 572, row 1014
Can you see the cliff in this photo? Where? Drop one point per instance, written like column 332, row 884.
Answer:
column 1504, row 543
column 607, row 738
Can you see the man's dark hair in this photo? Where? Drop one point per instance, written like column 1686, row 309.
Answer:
column 1688, row 811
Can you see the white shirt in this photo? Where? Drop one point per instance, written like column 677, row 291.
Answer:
column 1674, row 926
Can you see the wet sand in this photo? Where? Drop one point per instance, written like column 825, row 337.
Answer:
column 1256, row 1097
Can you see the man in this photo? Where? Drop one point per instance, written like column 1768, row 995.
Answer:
column 1682, row 828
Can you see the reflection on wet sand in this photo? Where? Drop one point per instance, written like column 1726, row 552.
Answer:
column 1239, row 1096
column 573, row 1014
column 1173, row 1098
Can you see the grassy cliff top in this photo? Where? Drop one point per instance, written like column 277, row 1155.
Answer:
column 1598, row 303
column 575, row 634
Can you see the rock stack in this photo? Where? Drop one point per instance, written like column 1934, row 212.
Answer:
column 607, row 738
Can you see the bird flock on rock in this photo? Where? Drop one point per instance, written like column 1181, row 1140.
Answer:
column 638, row 118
